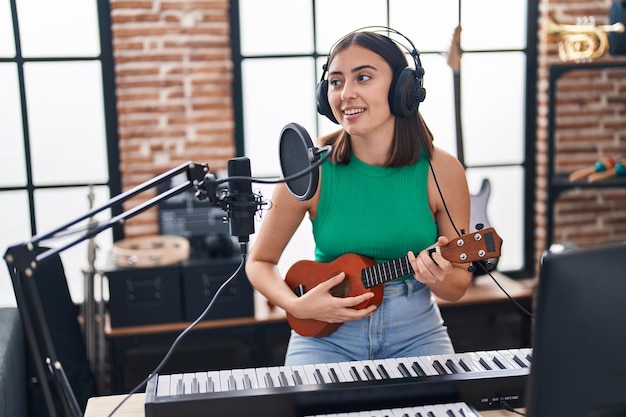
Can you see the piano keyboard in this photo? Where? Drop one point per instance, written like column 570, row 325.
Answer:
column 481, row 378
column 437, row 410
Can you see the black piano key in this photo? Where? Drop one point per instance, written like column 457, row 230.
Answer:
column 247, row 383
column 180, row 387
column 519, row 361
column 452, row 367
column 297, row 379
column 383, row 372
column 418, row 369
column 499, row 363
column 232, row 384
column 333, row 376
column 404, row 371
column 464, row 365
column 431, row 414
column 450, row 413
column 484, row 364
column 439, row 367
column 282, row 378
column 355, row 374
column 368, row 373
column 319, row 378
column 529, row 357
column 210, row 386
column 195, row 386
column 268, row 380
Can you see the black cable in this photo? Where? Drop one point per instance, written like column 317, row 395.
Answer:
column 508, row 407
column 432, row 170
column 184, row 332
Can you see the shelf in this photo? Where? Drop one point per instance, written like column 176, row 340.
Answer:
column 561, row 183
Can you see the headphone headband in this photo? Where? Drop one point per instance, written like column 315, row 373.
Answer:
column 406, row 91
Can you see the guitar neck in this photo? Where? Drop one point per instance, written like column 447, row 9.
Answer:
column 456, row 74
column 385, row 272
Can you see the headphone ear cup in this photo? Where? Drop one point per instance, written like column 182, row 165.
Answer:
column 323, row 107
column 406, row 93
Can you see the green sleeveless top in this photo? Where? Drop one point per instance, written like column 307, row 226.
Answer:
column 374, row 211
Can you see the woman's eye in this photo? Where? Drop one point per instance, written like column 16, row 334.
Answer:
column 334, row 82
column 364, row 77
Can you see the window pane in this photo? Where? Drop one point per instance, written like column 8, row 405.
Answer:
column 14, row 229
column 505, row 210
column 269, row 106
column 7, row 42
column 58, row 28
column 57, row 207
column 287, row 32
column 503, row 27
column 493, row 107
column 438, row 107
column 336, row 18
column 12, row 163
column 66, row 122
column 429, row 25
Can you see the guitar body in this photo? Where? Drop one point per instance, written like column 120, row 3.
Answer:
column 305, row 275
column 363, row 274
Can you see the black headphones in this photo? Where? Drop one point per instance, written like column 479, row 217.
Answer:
column 406, row 91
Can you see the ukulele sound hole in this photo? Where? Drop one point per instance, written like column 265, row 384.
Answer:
column 340, row 290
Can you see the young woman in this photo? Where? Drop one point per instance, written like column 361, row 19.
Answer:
column 377, row 197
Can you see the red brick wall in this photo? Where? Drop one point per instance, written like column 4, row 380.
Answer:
column 590, row 123
column 173, row 73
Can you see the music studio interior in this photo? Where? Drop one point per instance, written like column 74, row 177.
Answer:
column 122, row 122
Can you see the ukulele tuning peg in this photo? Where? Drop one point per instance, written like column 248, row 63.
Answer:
column 479, row 226
column 471, row 268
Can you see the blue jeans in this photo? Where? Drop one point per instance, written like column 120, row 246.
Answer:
column 407, row 323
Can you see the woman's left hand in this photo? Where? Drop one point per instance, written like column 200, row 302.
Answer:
column 430, row 268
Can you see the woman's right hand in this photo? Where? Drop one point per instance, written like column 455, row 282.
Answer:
column 318, row 303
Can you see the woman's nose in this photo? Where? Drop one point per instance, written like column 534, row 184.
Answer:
column 348, row 92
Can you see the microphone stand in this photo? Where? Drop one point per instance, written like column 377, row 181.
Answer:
column 23, row 260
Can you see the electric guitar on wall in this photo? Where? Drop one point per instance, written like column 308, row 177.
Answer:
column 363, row 274
column 478, row 202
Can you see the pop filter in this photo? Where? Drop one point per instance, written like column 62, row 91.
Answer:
column 297, row 154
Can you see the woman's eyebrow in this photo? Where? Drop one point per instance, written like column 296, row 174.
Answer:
column 356, row 69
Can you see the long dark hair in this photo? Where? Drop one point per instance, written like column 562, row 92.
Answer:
column 412, row 133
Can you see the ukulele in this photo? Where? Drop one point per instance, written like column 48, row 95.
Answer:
column 363, row 274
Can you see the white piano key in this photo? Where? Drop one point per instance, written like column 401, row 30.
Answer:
column 352, row 370
column 189, row 380
column 213, row 379
column 369, row 370
column 163, row 385
column 427, row 364
column 487, row 360
column 299, row 371
column 521, row 355
column 202, row 382
column 338, row 372
column 511, row 358
column 314, row 375
column 391, row 366
column 500, row 357
column 175, row 380
column 470, row 361
column 261, row 375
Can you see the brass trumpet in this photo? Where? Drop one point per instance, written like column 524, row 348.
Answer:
column 583, row 41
